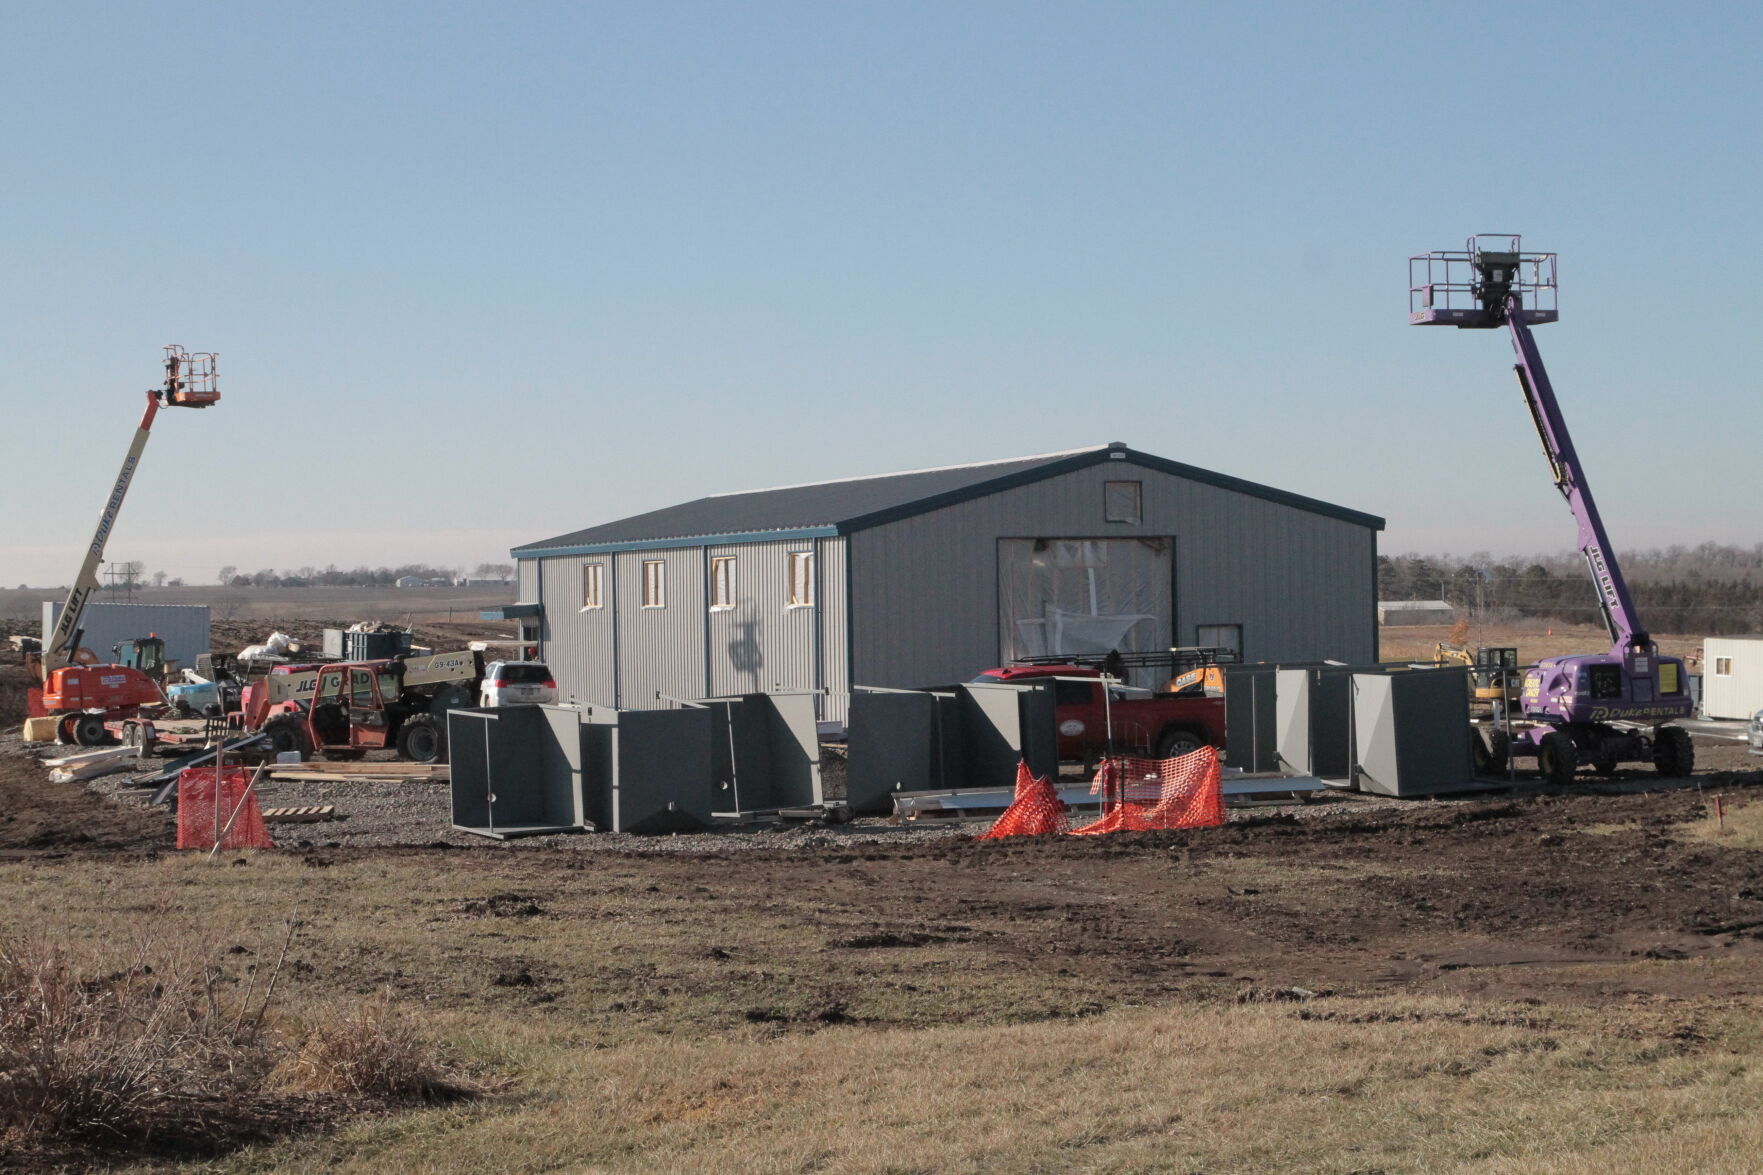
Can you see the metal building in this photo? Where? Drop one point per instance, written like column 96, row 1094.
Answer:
column 929, row 577
column 1732, row 676
column 183, row 627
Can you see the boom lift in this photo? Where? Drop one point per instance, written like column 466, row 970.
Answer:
column 1599, row 708
column 83, row 696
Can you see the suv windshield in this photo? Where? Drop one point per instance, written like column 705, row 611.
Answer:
column 523, row 673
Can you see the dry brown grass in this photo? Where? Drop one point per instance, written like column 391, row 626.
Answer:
column 373, row 1050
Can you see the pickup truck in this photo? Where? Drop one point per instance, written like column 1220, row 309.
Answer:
column 1154, row 724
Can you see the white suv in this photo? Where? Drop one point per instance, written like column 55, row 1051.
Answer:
column 515, row 683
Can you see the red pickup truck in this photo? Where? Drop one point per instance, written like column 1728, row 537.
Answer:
column 1159, row 725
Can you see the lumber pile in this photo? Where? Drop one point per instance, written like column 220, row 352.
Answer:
column 320, row 770
column 91, row 764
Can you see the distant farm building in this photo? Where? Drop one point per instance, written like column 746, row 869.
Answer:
column 1393, row 612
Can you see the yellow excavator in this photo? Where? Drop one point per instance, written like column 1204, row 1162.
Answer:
column 1493, row 672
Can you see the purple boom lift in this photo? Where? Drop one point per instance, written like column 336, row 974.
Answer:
column 1604, row 709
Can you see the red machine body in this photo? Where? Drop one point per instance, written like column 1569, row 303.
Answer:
column 114, row 689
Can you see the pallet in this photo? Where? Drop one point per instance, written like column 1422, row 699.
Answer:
column 311, row 814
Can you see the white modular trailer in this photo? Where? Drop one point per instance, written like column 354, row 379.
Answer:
column 1732, row 676
column 930, row 577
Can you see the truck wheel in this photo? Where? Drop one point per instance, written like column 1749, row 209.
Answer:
column 421, row 740
column 288, row 734
column 1674, row 755
column 1491, row 753
column 1557, row 758
column 1172, row 744
column 88, row 730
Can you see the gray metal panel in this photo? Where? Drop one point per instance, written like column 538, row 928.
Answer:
column 1250, row 720
column 515, row 771
column 835, row 670
column 1291, row 707
column 765, row 752
column 925, row 588
column 1411, row 732
column 762, row 643
column 576, row 642
column 891, row 748
column 1002, row 727
column 663, row 778
column 526, row 579
column 660, row 650
column 183, row 627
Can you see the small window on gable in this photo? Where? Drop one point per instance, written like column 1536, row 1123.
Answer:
column 654, row 583
column 592, row 578
column 722, row 581
column 1123, row 501
column 801, row 578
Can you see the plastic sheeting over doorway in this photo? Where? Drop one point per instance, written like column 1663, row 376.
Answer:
column 1057, row 597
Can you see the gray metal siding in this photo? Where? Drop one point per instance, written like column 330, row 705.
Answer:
column 526, row 580
column 183, row 627
column 835, row 677
column 760, row 644
column 575, row 642
column 660, row 650
column 925, row 589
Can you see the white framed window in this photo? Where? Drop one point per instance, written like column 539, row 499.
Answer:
column 1723, row 667
column 1123, row 501
column 654, row 583
column 1220, row 636
column 801, row 579
column 593, row 581
column 722, row 581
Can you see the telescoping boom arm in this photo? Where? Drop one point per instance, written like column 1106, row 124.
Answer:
column 189, row 383
column 1539, row 395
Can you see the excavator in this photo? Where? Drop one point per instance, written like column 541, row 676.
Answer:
column 1604, row 709
column 82, row 696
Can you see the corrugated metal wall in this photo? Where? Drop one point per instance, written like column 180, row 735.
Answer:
column 834, row 635
column 925, row 589
column 686, row 649
column 183, row 627
column 1738, row 694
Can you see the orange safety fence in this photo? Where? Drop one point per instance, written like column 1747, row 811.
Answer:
column 1144, row 795
column 1138, row 795
column 1036, row 811
column 200, row 817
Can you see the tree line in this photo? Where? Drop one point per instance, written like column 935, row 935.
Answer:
column 1711, row 588
column 334, row 576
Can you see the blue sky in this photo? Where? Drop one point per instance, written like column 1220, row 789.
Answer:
column 480, row 274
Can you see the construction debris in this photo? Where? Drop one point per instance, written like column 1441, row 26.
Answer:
column 310, row 814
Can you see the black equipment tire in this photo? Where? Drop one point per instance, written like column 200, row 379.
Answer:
column 1490, row 754
column 1605, row 765
column 1674, row 755
column 88, row 731
column 1173, row 743
column 1557, row 758
column 422, row 739
column 288, row 734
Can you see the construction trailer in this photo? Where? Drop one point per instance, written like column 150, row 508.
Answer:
column 923, row 578
column 183, row 627
column 1732, row 676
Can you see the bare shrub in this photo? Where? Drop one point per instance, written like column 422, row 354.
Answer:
column 103, row 1057
column 376, row 1051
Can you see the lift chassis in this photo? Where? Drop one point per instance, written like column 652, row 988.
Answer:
column 1602, row 709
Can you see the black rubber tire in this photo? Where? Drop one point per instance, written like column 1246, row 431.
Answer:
column 1674, row 754
column 288, row 734
column 88, row 731
column 1605, row 765
column 1557, row 758
column 422, row 740
column 1491, row 753
column 1174, row 743
column 64, row 729
column 211, row 710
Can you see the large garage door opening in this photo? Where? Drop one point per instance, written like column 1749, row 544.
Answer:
column 1058, row 597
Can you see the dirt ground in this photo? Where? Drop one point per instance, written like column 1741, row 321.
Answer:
column 1534, row 639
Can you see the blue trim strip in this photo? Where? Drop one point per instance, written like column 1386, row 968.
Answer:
column 706, row 540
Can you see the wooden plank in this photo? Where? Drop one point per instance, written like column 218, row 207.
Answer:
column 364, row 767
column 300, row 776
column 310, row 814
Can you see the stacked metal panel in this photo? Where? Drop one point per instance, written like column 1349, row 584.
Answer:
column 965, row 736
column 1411, row 735
column 765, row 752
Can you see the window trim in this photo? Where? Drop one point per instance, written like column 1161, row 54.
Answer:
column 804, row 560
column 598, row 599
column 716, row 563
column 660, row 584
column 1723, row 672
column 1138, row 502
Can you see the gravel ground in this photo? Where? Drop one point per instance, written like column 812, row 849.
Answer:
column 404, row 813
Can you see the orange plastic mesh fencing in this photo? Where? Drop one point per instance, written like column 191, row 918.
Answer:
column 1142, row 795
column 1036, row 810
column 200, row 818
